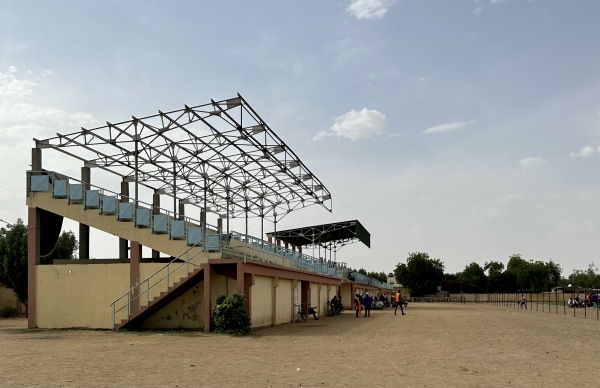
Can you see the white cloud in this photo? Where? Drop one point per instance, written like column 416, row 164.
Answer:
column 356, row 125
column 528, row 164
column 449, row 127
column 369, row 9
column 585, row 152
column 497, row 1
column 11, row 86
column 477, row 11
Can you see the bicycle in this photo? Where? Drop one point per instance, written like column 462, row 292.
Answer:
column 300, row 316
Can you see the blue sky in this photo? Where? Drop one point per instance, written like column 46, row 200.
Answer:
column 466, row 129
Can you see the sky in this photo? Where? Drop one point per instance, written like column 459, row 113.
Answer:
column 467, row 129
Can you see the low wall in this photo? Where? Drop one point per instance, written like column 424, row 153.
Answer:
column 79, row 295
column 9, row 299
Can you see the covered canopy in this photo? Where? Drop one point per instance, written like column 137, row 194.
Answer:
column 334, row 235
column 220, row 155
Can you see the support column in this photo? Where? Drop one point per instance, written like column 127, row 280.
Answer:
column 248, row 283
column 207, row 297
column 36, row 159
column 123, row 243
column 155, row 212
column 181, row 215
column 275, row 284
column 239, row 286
column 33, row 259
column 134, row 273
column 84, row 230
column 33, row 247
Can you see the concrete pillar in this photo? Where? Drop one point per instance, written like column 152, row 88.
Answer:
column 275, row 284
column 220, row 225
column 123, row 243
column 134, row 273
column 207, row 297
column 36, row 159
column 248, row 283
column 33, row 259
column 181, row 215
column 155, row 211
column 84, row 230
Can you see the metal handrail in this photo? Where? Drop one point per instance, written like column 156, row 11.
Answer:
column 261, row 250
column 130, row 292
column 58, row 176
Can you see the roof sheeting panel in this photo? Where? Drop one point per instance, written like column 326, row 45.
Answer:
column 335, row 234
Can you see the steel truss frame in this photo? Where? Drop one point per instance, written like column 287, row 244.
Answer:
column 329, row 236
column 221, row 156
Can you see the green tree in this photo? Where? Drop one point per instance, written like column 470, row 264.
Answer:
column 495, row 281
column 381, row 276
column 451, row 283
column 421, row 274
column 13, row 258
column 65, row 248
column 473, row 278
column 588, row 278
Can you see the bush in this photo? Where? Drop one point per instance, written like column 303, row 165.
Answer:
column 7, row 312
column 231, row 317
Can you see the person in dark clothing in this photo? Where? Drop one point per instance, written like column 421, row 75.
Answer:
column 398, row 302
column 311, row 310
column 367, row 303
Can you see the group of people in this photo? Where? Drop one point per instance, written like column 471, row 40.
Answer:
column 365, row 302
column 589, row 301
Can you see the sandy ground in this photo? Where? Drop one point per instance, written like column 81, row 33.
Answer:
column 434, row 345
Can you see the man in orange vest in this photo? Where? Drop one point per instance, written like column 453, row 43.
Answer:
column 398, row 302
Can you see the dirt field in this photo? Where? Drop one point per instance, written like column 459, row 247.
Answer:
column 434, row 345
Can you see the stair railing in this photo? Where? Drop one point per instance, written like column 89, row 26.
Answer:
column 155, row 279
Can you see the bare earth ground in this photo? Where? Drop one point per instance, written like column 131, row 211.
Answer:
column 434, row 345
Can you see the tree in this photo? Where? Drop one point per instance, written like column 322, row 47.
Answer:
column 473, row 278
column 451, row 283
column 588, row 278
column 65, row 248
column 495, row 278
column 420, row 274
column 381, row 276
column 13, row 258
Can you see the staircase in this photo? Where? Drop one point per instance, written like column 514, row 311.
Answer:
column 101, row 209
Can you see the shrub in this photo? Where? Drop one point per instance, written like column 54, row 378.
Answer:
column 7, row 312
column 231, row 317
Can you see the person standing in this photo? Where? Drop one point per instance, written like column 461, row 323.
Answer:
column 367, row 303
column 398, row 302
column 357, row 304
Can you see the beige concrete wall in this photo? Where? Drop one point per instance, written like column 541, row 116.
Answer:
column 323, row 298
column 346, row 294
column 221, row 285
column 79, row 295
column 9, row 299
column 262, row 301
column 314, row 294
column 285, row 312
column 185, row 312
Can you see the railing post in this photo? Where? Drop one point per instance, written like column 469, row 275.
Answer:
column 168, row 273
